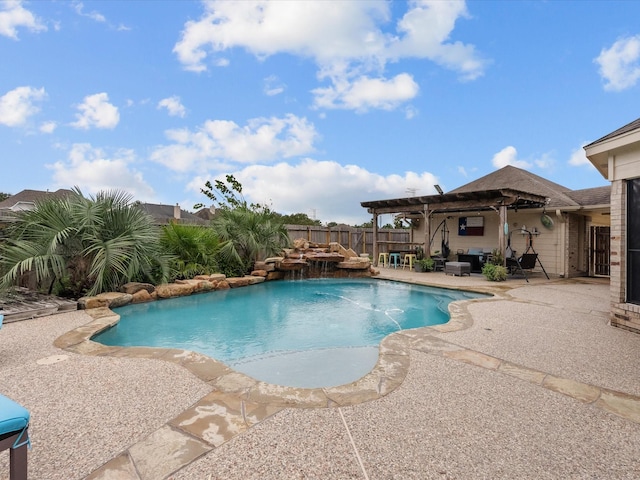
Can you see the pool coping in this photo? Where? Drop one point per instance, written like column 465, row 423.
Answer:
column 388, row 373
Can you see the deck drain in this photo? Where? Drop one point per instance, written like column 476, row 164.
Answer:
column 52, row 359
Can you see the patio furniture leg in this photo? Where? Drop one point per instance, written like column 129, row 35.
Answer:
column 18, row 463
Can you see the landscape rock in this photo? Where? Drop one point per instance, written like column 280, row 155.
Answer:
column 236, row 282
column 170, row 290
column 275, row 276
column 142, row 296
column 214, row 277
column 198, row 285
column 273, row 259
column 107, row 299
column 133, row 287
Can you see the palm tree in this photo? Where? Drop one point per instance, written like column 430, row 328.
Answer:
column 193, row 249
column 250, row 231
column 249, row 235
column 88, row 246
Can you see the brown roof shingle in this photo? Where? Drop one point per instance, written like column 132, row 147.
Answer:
column 32, row 196
column 629, row 127
column 591, row 196
column 517, row 179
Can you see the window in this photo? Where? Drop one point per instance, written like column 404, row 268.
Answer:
column 633, row 241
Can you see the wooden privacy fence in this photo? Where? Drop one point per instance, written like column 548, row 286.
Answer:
column 358, row 239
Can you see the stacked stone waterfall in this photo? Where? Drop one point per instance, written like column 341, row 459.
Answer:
column 312, row 260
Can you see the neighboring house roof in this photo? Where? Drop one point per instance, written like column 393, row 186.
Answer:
column 206, row 213
column 161, row 213
column 165, row 213
column 559, row 196
column 32, row 196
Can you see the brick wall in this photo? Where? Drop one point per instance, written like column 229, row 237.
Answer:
column 623, row 315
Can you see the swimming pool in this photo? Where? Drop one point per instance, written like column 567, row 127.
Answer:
column 311, row 333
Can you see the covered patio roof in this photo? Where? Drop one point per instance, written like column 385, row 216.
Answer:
column 498, row 200
column 457, row 202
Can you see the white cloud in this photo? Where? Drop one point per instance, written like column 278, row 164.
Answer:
column 13, row 16
column 173, row 106
column 365, row 93
column 48, row 127
column 426, row 28
column 222, row 142
column 463, row 171
column 345, row 39
column 509, row 156
column 334, row 191
column 92, row 170
column 545, row 161
column 620, row 64
column 93, row 15
column 410, row 112
column 579, row 157
column 96, row 111
column 17, row 105
column 273, row 86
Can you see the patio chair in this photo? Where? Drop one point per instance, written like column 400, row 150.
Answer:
column 14, row 434
column 527, row 261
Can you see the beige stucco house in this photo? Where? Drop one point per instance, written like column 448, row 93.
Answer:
column 509, row 208
column 617, row 158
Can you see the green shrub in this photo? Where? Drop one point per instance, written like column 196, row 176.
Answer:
column 425, row 264
column 494, row 273
column 496, row 257
column 192, row 250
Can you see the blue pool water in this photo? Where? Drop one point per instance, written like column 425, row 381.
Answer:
column 311, row 333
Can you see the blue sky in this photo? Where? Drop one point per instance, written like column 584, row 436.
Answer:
column 313, row 106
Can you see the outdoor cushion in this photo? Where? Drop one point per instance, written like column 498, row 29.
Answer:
column 13, row 416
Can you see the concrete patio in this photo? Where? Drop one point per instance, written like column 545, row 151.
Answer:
column 532, row 383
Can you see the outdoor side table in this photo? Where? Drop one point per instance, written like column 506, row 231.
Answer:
column 14, row 424
column 438, row 263
column 457, row 268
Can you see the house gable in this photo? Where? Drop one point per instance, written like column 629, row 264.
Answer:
column 615, row 155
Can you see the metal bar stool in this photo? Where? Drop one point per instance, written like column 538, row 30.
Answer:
column 384, row 259
column 408, row 260
column 394, row 259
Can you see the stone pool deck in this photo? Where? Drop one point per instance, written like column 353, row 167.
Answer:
column 532, row 383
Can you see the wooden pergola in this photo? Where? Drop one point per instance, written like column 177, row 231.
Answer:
column 499, row 201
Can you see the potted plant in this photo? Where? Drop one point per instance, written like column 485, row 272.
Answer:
column 424, row 265
column 493, row 269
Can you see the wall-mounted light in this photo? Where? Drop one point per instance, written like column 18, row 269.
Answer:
column 438, row 189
